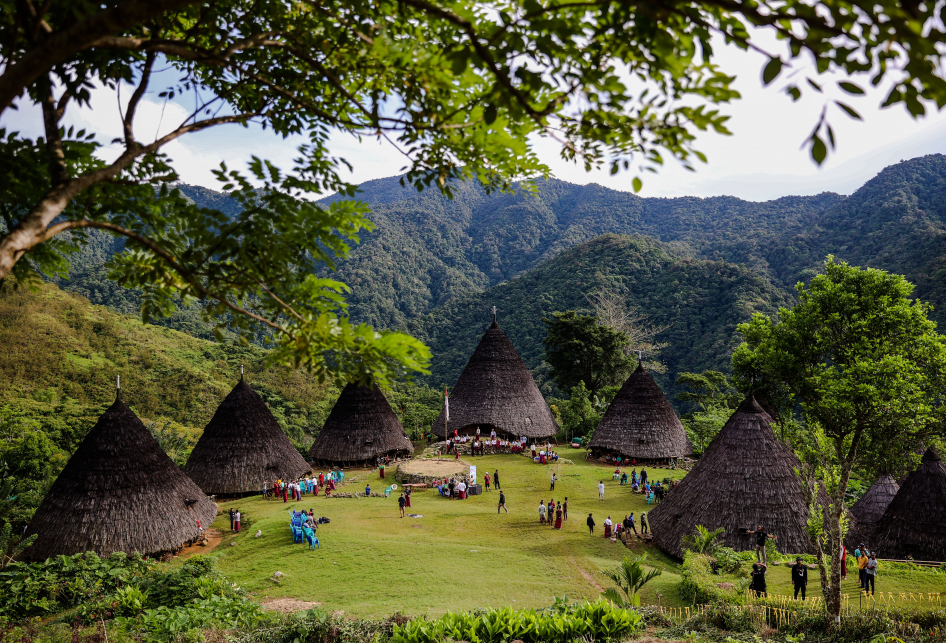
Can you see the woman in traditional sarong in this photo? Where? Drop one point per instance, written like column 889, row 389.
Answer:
column 558, row 517
column 407, row 496
column 607, row 527
column 381, row 469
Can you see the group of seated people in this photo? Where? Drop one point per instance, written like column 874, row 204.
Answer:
column 453, row 488
column 480, row 445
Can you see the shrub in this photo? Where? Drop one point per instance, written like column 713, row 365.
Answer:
column 698, row 583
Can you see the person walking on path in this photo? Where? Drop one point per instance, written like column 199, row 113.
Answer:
column 591, row 524
column 496, row 479
column 601, row 490
column 760, row 539
column 502, row 502
column 401, row 503
column 870, row 572
column 799, row 578
column 644, row 525
column 565, row 509
column 553, row 483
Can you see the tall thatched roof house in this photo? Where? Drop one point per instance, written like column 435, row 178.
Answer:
column 496, row 391
column 869, row 509
column 914, row 525
column 361, row 427
column 242, row 447
column 744, row 479
column 119, row 492
column 640, row 423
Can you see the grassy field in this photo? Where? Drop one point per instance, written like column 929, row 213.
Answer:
column 461, row 554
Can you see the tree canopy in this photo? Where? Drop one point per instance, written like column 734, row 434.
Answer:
column 867, row 369
column 583, row 352
column 462, row 89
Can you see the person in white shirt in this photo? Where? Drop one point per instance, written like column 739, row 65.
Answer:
column 461, row 488
column 601, row 490
column 542, row 511
column 607, row 527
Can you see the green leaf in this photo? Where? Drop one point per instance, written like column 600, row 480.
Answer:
column 819, row 151
column 850, row 87
column 850, row 110
column 638, row 184
column 772, row 70
column 489, row 114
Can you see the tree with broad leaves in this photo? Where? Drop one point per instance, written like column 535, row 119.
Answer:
column 867, row 369
column 581, row 351
column 462, row 89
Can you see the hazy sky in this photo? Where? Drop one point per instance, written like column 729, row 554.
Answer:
column 761, row 160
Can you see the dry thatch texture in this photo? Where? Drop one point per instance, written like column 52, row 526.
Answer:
column 744, row 479
column 496, row 390
column 640, row 423
column 867, row 511
column 119, row 492
column 914, row 525
column 361, row 427
column 242, row 447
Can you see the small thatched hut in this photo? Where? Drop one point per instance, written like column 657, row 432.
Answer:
column 640, row 423
column 119, row 492
column 361, row 427
column 744, row 479
column 496, row 391
column 914, row 525
column 869, row 509
column 243, row 447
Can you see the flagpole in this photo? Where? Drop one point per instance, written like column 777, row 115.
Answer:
column 446, row 421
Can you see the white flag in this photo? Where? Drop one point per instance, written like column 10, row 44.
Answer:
column 446, row 403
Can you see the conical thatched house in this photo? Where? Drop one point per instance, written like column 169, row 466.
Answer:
column 361, row 427
column 119, row 492
column 640, row 423
column 914, row 525
column 242, row 447
column 496, row 391
column 867, row 512
column 744, row 479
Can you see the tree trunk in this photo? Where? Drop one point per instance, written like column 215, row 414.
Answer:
column 831, row 576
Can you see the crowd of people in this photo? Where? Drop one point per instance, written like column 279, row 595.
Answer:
column 553, row 514
column 799, row 574
column 308, row 485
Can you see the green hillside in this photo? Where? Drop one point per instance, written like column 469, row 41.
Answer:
column 700, row 301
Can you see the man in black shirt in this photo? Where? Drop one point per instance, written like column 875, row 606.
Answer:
column 760, row 536
column 799, row 578
column 758, row 579
column 496, row 479
column 591, row 524
column 401, row 502
column 502, row 502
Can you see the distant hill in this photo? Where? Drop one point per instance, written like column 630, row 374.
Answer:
column 701, row 301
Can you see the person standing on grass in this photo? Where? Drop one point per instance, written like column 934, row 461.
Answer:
column 231, row 518
column 644, row 525
column 760, row 539
column 643, row 477
column 558, row 517
column 758, row 579
column 236, row 520
column 870, row 572
column 607, row 527
column 542, row 511
column 799, row 578
column 496, row 479
column 862, row 561
column 631, row 525
column 843, row 562
column 591, row 524
column 565, row 509
column 401, row 503
column 553, row 482
column 601, row 490
column 486, row 480
column 502, row 502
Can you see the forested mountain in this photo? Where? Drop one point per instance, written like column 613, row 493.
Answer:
column 430, row 258
column 699, row 301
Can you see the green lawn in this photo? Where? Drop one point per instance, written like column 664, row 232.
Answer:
column 460, row 555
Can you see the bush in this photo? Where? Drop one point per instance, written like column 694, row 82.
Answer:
column 728, row 561
column 599, row 621
column 699, row 584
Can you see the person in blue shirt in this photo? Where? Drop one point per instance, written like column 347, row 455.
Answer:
column 368, row 490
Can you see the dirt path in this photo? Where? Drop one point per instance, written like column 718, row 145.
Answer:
column 214, row 538
column 288, row 605
column 584, row 574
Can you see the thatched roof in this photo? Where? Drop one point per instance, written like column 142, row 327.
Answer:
column 640, row 422
column 872, row 505
column 242, row 447
column 361, row 427
column 914, row 525
column 496, row 390
column 744, row 479
column 867, row 511
column 119, row 492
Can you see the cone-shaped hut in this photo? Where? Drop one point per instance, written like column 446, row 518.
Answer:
column 640, row 423
column 119, row 492
column 243, row 447
column 361, row 427
column 914, row 525
column 867, row 512
column 745, row 478
column 496, row 391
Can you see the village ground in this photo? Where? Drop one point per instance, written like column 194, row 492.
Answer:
column 461, row 555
